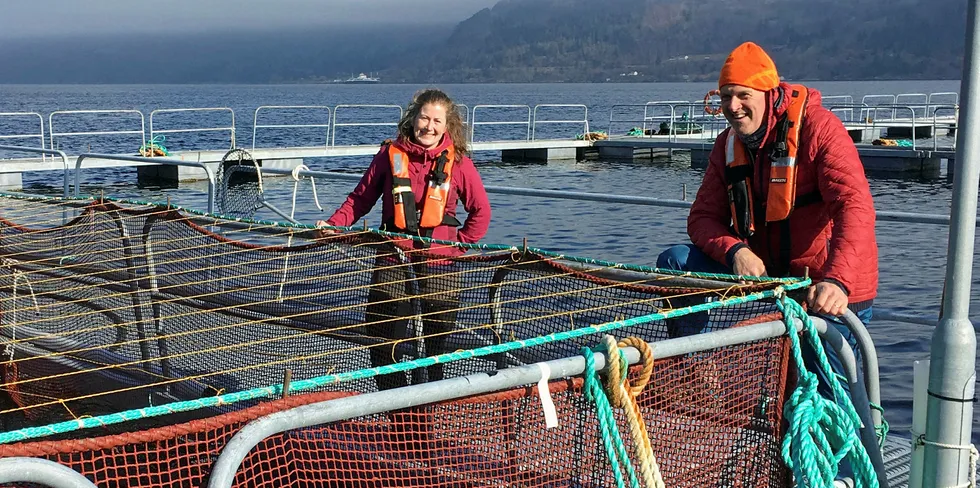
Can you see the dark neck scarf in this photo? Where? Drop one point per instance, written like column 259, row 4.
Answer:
column 754, row 140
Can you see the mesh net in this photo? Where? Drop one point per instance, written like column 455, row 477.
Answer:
column 239, row 192
column 112, row 306
column 700, row 436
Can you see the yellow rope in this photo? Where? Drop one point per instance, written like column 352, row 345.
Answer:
column 269, row 340
column 623, row 396
column 206, row 242
column 211, row 328
column 282, row 361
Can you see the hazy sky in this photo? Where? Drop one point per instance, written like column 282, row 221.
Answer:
column 33, row 18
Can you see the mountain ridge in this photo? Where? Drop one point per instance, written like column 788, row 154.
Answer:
column 533, row 41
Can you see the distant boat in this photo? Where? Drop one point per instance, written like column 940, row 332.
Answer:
column 362, row 78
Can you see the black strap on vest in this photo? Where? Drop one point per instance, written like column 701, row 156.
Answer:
column 412, row 214
column 780, row 148
column 438, row 173
column 406, row 198
column 738, row 177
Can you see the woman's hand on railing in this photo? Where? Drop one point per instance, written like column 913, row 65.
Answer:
column 322, row 231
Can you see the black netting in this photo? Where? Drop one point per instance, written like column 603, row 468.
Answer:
column 116, row 307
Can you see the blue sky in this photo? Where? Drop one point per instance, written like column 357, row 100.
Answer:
column 46, row 18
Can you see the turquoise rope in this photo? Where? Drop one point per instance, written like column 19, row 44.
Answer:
column 158, row 142
column 275, row 390
column 332, row 379
column 822, row 432
column 611, row 440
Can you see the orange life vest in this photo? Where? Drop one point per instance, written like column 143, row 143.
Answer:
column 433, row 212
column 782, row 171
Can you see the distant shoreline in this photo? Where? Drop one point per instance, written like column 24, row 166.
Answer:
column 617, row 82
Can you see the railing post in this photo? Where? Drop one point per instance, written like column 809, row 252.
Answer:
column 953, row 351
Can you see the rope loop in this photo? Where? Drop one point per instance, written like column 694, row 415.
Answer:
column 623, row 396
column 822, row 432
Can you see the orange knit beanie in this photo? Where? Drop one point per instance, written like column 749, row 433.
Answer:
column 748, row 65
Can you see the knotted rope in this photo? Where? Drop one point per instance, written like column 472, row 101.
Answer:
column 613, row 443
column 822, row 432
column 154, row 147
column 624, row 396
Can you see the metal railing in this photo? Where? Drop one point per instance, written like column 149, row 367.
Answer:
column 877, row 108
column 692, row 120
column 924, row 101
column 881, row 215
column 40, row 471
column 224, row 470
column 954, row 110
column 335, row 124
column 526, row 122
column 256, row 126
column 873, row 100
column 155, row 160
column 843, row 100
column 584, row 120
column 39, row 135
column 869, row 119
column 678, row 126
column 916, row 101
column 953, row 98
column 230, row 128
column 53, row 133
column 672, row 105
column 49, row 152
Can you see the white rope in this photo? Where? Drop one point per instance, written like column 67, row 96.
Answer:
column 18, row 275
column 974, row 456
column 296, row 179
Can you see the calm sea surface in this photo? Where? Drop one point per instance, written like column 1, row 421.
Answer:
column 911, row 256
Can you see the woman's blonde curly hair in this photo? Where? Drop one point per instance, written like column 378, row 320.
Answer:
column 454, row 122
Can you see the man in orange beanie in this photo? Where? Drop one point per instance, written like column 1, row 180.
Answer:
column 811, row 210
column 784, row 194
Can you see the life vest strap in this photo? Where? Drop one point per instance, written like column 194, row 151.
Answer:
column 421, row 232
column 403, row 198
column 447, row 219
column 808, row 199
column 740, row 172
column 439, row 175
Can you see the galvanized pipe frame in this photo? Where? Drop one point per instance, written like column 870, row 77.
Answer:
column 50, row 152
column 230, row 128
column 41, row 471
column 717, row 123
column 882, row 215
column 140, row 159
column 953, row 348
column 235, row 451
column 52, row 133
column 535, row 121
column 878, row 124
column 39, row 135
column 334, row 124
column 256, row 126
column 474, row 122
